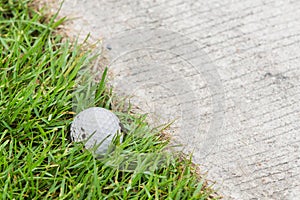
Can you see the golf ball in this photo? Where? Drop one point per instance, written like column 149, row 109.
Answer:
column 96, row 127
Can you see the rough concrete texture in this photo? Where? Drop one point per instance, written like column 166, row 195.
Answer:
column 228, row 71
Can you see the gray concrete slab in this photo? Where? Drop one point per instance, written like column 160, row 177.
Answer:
column 227, row 71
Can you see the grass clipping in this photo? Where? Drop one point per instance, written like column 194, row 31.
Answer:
column 37, row 161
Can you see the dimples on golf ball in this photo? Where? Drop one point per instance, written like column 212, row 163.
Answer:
column 95, row 126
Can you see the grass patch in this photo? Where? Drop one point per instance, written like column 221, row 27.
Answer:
column 37, row 161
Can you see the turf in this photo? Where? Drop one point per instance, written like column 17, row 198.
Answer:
column 38, row 73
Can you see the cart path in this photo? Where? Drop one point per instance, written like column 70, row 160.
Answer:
column 228, row 71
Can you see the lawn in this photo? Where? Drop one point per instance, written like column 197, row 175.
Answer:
column 38, row 73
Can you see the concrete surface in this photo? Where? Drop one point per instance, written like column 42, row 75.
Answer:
column 227, row 71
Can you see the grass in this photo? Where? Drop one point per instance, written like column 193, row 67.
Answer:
column 38, row 71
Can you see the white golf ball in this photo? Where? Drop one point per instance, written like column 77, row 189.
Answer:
column 96, row 127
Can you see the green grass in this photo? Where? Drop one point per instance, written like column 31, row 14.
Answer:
column 37, row 90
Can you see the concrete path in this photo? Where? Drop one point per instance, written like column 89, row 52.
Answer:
column 227, row 71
